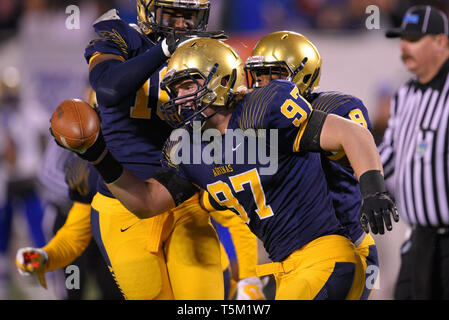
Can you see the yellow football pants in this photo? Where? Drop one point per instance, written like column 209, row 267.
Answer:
column 368, row 253
column 325, row 268
column 175, row 255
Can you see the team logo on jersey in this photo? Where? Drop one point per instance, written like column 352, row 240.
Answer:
column 222, row 170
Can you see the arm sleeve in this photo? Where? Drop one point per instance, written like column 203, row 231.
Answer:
column 113, row 80
column 71, row 240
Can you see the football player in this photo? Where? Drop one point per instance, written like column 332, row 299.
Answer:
column 74, row 236
column 72, row 239
column 174, row 255
column 290, row 210
column 289, row 55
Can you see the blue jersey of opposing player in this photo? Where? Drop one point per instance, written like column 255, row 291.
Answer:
column 343, row 185
column 286, row 209
column 129, row 126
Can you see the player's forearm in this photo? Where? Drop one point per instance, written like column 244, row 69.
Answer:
column 113, row 80
column 144, row 199
column 355, row 140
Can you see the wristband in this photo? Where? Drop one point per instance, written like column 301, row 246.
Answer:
column 109, row 168
column 372, row 182
column 95, row 151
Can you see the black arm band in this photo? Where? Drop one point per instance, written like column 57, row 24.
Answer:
column 179, row 188
column 109, row 168
column 310, row 140
column 372, row 182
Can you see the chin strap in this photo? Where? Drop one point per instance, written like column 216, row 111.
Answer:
column 231, row 87
column 308, row 91
column 202, row 118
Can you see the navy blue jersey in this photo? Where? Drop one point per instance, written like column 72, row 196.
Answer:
column 343, row 185
column 129, row 127
column 286, row 208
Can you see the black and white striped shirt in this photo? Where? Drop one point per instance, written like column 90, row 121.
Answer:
column 415, row 150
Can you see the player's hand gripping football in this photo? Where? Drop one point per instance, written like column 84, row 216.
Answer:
column 32, row 261
column 75, row 125
column 250, row 289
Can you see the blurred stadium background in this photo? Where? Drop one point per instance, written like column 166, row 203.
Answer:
column 41, row 64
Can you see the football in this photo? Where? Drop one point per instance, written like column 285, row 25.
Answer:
column 75, row 124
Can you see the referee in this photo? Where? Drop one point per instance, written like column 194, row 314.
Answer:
column 415, row 154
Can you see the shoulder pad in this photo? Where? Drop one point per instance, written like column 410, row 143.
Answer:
column 283, row 83
column 334, row 94
column 168, row 152
column 112, row 14
column 331, row 100
column 257, row 104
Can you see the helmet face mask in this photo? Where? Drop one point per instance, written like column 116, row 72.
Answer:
column 170, row 16
column 184, row 109
column 259, row 73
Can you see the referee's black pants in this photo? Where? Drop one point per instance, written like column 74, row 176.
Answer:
column 424, row 272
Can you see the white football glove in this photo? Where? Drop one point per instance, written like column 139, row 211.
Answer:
column 32, row 261
column 250, row 289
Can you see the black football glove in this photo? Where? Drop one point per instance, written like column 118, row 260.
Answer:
column 377, row 206
column 173, row 40
column 376, row 210
column 93, row 153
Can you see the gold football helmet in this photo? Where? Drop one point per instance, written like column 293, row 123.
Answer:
column 287, row 52
column 150, row 19
column 201, row 58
